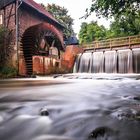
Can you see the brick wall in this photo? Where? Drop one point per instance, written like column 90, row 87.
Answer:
column 27, row 18
column 43, row 64
column 68, row 58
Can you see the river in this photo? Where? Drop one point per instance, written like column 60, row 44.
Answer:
column 80, row 107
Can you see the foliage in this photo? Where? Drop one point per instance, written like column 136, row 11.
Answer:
column 91, row 32
column 7, row 72
column 113, row 7
column 126, row 24
column 126, row 16
column 5, row 49
column 61, row 14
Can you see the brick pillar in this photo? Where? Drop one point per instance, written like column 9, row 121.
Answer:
column 69, row 56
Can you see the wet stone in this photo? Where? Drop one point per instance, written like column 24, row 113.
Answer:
column 44, row 112
column 101, row 132
column 132, row 113
column 137, row 98
column 33, row 76
column 57, row 76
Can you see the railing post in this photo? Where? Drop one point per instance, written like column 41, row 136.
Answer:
column 110, row 44
column 94, row 45
column 129, row 42
column 97, row 44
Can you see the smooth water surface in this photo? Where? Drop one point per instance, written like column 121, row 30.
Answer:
column 80, row 106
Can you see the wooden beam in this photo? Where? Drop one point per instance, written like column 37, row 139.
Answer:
column 9, row 16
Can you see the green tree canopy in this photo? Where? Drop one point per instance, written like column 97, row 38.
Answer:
column 91, row 32
column 126, row 24
column 126, row 15
column 61, row 14
column 113, row 7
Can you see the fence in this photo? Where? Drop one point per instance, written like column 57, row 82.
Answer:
column 115, row 42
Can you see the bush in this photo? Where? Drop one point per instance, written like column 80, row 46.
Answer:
column 5, row 48
column 8, row 72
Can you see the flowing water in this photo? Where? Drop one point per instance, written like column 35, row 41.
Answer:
column 121, row 61
column 110, row 62
column 80, row 107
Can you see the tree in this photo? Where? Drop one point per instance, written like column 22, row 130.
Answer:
column 91, row 32
column 126, row 14
column 61, row 14
column 83, row 33
column 113, row 7
column 5, row 48
column 126, row 24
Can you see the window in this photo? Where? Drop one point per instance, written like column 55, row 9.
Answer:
column 1, row 19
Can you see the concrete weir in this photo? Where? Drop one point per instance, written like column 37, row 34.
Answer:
column 113, row 61
column 118, row 55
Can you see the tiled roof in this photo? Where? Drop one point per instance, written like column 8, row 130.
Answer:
column 39, row 8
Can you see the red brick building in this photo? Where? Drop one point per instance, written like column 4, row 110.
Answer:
column 34, row 32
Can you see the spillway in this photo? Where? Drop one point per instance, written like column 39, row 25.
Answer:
column 120, row 61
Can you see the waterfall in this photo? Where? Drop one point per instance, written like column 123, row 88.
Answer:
column 125, row 61
column 85, row 62
column 110, row 61
column 76, row 65
column 97, row 65
column 120, row 61
column 136, row 57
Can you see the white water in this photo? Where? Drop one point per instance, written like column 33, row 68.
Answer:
column 121, row 61
column 104, row 106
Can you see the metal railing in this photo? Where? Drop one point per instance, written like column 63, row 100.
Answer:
column 115, row 42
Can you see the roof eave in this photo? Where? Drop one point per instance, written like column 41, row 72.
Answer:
column 51, row 20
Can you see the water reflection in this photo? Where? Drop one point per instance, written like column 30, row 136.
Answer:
column 95, row 108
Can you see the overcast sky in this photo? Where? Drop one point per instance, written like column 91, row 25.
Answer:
column 76, row 9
